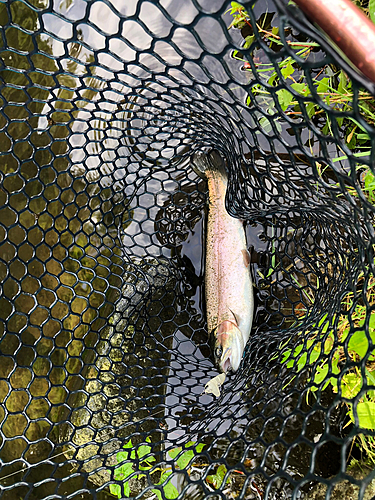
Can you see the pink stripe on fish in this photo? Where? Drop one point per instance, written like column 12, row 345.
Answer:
column 224, row 327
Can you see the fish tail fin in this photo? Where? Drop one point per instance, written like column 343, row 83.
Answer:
column 211, row 160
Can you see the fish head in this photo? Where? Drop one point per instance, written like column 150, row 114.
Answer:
column 208, row 160
column 228, row 346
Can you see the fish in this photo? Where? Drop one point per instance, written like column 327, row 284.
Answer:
column 229, row 294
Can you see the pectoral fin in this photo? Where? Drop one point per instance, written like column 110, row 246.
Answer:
column 246, row 257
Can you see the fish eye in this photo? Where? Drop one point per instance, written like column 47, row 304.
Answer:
column 218, row 352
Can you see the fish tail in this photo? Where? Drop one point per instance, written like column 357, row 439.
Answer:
column 212, row 161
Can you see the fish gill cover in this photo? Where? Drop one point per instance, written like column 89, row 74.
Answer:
column 104, row 345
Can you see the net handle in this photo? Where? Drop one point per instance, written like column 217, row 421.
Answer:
column 351, row 30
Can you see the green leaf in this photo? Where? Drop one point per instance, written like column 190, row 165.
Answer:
column 305, row 357
column 310, row 108
column 339, row 120
column 115, row 489
column 366, row 415
column 371, row 10
column 122, row 456
column 297, row 350
column 236, row 6
column 353, row 141
column 239, row 15
column 363, row 137
column 272, row 78
column 351, row 384
column 217, row 479
column 169, row 490
column 248, row 41
column 126, row 489
column 174, row 452
column 185, row 459
column 323, row 85
column 342, row 83
column 286, row 356
column 285, row 98
column 199, row 447
column 143, row 450
column 314, row 355
column 186, row 456
column 271, row 109
column 165, row 475
column 158, row 494
column 287, row 70
column 358, row 343
column 326, row 131
column 370, row 184
column 301, row 363
column 301, row 88
column 123, row 472
column 356, row 155
column 321, row 374
column 370, row 379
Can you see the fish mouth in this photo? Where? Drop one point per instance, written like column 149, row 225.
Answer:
column 225, row 363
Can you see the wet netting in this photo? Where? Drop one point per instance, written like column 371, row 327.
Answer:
column 104, row 345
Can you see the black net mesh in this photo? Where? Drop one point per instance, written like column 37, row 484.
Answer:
column 104, row 344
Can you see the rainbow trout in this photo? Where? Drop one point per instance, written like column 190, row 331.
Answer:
column 228, row 284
